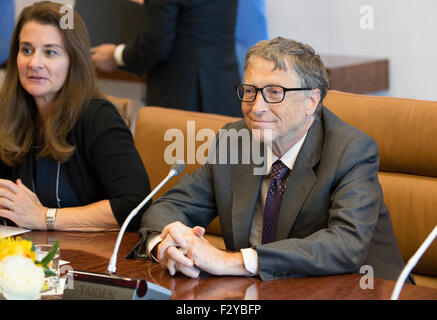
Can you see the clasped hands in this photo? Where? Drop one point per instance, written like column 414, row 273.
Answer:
column 185, row 250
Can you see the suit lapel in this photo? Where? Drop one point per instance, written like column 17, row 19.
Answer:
column 301, row 179
column 246, row 187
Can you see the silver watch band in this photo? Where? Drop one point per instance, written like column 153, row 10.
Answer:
column 50, row 218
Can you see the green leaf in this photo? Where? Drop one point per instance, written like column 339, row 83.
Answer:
column 49, row 257
column 49, row 272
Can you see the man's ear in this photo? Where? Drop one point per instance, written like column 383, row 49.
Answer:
column 312, row 101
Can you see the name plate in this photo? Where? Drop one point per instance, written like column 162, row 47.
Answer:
column 96, row 286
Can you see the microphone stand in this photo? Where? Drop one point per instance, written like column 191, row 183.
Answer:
column 113, row 261
column 411, row 263
column 108, row 286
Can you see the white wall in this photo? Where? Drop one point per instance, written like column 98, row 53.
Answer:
column 405, row 32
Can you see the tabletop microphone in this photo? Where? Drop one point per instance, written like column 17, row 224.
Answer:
column 88, row 285
column 176, row 169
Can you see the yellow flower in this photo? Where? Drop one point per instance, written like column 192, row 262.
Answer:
column 10, row 247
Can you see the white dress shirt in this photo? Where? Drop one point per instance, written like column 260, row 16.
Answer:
column 118, row 55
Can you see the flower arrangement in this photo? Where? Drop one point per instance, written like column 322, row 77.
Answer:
column 22, row 277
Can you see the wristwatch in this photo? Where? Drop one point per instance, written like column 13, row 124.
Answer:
column 50, row 218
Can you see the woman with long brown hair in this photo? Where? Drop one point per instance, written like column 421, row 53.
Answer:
column 67, row 160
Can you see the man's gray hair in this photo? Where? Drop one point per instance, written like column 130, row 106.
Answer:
column 286, row 53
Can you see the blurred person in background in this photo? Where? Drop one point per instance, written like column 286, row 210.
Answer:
column 187, row 50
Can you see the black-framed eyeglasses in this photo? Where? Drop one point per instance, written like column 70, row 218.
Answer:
column 270, row 93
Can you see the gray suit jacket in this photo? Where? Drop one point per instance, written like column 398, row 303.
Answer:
column 332, row 220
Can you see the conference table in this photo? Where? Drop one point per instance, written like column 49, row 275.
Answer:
column 91, row 252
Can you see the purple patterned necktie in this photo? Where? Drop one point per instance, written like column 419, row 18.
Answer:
column 273, row 201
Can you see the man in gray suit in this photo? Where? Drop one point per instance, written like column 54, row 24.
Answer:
column 319, row 210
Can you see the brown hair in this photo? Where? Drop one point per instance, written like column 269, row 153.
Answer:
column 18, row 113
column 282, row 52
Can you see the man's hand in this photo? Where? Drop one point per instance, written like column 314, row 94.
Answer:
column 184, row 249
column 173, row 248
column 103, row 57
column 208, row 258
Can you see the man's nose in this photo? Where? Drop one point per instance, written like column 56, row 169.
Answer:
column 259, row 105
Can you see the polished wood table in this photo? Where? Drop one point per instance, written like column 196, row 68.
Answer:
column 91, row 252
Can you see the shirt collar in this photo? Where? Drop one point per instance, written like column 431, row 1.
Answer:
column 289, row 158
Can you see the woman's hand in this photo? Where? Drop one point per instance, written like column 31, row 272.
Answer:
column 21, row 205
